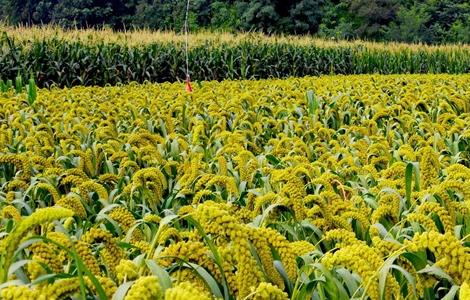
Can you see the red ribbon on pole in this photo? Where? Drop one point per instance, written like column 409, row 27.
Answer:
column 189, row 88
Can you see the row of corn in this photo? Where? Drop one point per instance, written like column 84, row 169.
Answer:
column 62, row 58
column 335, row 187
column 144, row 36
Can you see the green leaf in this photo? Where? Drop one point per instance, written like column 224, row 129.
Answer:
column 3, row 86
column 258, row 222
column 81, row 269
column 167, row 220
column 26, row 244
column 18, row 84
column 311, row 102
column 99, row 289
column 348, row 279
column 436, row 271
column 10, row 283
column 214, row 251
column 273, row 160
column 385, row 270
column 408, row 181
column 419, row 262
column 330, row 286
column 309, row 225
column 417, row 176
column 280, row 268
column 32, row 91
column 16, row 265
column 451, row 295
column 42, row 278
column 163, row 276
column 9, row 84
column 121, row 292
column 211, row 282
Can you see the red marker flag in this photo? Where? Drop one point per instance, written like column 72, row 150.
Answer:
column 189, row 88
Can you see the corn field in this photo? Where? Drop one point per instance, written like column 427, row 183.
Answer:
column 68, row 58
column 333, row 187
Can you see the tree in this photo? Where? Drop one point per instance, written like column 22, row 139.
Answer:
column 258, row 15
column 460, row 31
column 445, row 14
column 91, row 13
column 164, row 14
column 409, row 26
column 43, row 13
column 19, row 11
column 374, row 16
column 305, row 16
column 224, row 16
column 338, row 22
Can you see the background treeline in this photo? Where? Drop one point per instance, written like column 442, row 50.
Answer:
column 428, row 21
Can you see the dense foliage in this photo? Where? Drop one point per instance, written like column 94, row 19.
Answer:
column 103, row 57
column 431, row 21
column 325, row 188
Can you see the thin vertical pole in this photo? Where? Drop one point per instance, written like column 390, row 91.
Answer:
column 186, row 33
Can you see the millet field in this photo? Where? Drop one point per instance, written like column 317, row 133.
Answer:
column 268, row 183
